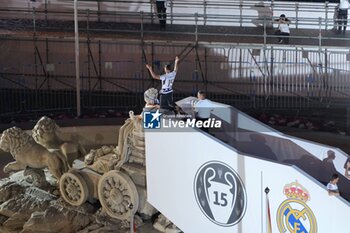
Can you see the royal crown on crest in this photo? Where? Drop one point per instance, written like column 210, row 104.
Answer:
column 297, row 191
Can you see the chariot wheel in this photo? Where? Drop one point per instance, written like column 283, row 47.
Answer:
column 73, row 188
column 117, row 193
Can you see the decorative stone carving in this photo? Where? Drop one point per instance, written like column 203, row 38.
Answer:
column 45, row 132
column 105, row 163
column 28, row 153
column 123, row 148
column 73, row 188
column 131, row 142
column 163, row 224
column 37, row 177
column 118, row 195
column 116, row 176
column 102, row 160
column 94, row 155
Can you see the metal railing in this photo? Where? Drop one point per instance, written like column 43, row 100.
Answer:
column 320, row 30
column 204, row 7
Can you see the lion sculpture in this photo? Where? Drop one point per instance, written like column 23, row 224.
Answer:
column 28, row 153
column 45, row 132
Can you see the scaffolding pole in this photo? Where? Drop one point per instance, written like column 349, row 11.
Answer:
column 76, row 33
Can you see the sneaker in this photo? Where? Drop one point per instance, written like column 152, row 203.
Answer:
column 280, row 41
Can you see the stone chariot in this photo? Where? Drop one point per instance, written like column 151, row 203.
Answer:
column 114, row 176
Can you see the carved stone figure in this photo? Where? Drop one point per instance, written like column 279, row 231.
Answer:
column 45, row 132
column 131, row 141
column 27, row 152
column 102, row 160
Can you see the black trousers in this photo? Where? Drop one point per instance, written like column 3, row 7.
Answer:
column 283, row 36
column 161, row 10
column 166, row 101
column 202, row 120
column 342, row 18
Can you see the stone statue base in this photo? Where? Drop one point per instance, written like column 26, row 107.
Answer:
column 163, row 224
column 25, row 208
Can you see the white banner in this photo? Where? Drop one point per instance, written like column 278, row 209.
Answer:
column 204, row 186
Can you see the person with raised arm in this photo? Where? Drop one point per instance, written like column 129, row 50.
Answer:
column 167, row 79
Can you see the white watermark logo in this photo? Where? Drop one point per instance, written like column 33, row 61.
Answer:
column 156, row 120
column 192, row 123
column 151, row 120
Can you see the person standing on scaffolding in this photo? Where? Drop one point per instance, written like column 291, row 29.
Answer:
column 166, row 93
column 343, row 14
column 283, row 29
column 161, row 11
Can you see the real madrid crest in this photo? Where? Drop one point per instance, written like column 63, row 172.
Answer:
column 294, row 215
column 220, row 193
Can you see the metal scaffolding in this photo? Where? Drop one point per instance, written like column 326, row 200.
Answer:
column 44, row 75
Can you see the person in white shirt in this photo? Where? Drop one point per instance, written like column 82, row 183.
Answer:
column 343, row 14
column 332, row 186
column 166, row 93
column 202, row 108
column 283, row 29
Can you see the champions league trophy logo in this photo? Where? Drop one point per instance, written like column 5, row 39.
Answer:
column 220, row 193
column 227, row 197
